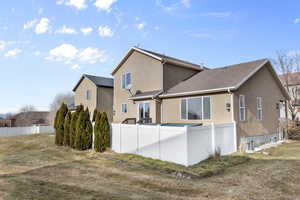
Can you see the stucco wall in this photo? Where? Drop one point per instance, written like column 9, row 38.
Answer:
column 80, row 95
column 262, row 84
column 105, row 101
column 146, row 75
column 171, row 109
column 175, row 74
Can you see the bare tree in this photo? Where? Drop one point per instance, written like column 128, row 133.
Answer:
column 27, row 108
column 67, row 98
column 288, row 65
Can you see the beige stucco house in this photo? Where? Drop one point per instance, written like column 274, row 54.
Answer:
column 95, row 92
column 153, row 88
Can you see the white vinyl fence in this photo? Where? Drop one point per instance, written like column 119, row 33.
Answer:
column 182, row 145
column 14, row 131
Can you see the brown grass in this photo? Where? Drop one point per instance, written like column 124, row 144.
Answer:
column 32, row 167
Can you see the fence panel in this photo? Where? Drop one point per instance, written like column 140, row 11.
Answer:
column 199, row 143
column 116, row 137
column 129, row 138
column 15, row 131
column 148, row 141
column 173, row 144
column 225, row 138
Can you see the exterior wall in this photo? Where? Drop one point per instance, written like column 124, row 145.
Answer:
column 173, row 75
column 105, row 101
column 146, row 75
column 80, row 95
column 262, row 84
column 171, row 109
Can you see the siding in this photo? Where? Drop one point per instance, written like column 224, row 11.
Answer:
column 105, row 101
column 262, row 84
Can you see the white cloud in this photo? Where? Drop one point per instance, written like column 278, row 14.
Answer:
column 79, row 4
column 296, row 21
column 87, row 30
column 140, row 26
column 71, row 55
column 64, row 52
column 186, row 3
column 43, row 26
column 30, row 24
column 2, row 45
column 66, row 30
column 92, row 55
column 105, row 31
column 13, row 53
column 37, row 53
column 104, row 4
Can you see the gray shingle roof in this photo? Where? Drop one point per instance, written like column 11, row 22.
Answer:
column 97, row 80
column 224, row 77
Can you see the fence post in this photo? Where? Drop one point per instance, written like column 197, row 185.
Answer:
column 93, row 138
column 187, row 145
column 235, row 136
column 213, row 138
column 158, row 132
column 120, row 133
column 137, row 138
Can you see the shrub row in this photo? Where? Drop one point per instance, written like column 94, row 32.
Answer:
column 76, row 129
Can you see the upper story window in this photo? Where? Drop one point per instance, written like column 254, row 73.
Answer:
column 198, row 108
column 124, row 108
column 126, row 81
column 88, row 94
column 242, row 108
column 258, row 108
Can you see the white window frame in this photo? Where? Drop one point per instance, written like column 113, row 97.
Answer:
column 187, row 107
column 138, row 108
column 125, row 106
column 88, row 94
column 242, row 107
column 259, row 108
column 124, row 78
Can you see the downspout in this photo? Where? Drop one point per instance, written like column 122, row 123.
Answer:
column 231, row 102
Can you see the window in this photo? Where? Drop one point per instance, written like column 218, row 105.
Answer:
column 144, row 110
column 258, row 108
column 124, row 108
column 196, row 108
column 126, row 81
column 88, row 94
column 242, row 108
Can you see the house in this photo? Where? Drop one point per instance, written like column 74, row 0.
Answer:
column 153, row 88
column 291, row 81
column 95, row 92
column 30, row 118
column 5, row 122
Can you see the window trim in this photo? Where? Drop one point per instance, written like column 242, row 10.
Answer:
column 244, row 107
column 259, row 109
column 202, row 97
column 122, row 108
column 126, row 87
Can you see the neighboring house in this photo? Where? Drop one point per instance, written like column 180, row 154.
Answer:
column 5, row 122
column 151, row 87
column 95, row 92
column 30, row 118
column 291, row 81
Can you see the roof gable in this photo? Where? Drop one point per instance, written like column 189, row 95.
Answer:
column 97, row 80
column 159, row 57
column 221, row 79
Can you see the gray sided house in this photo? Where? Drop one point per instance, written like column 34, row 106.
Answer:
column 151, row 87
column 95, row 92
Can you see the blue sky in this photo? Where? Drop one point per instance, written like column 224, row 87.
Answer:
column 45, row 46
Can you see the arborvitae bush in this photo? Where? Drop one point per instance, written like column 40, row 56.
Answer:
column 84, row 131
column 97, row 132
column 60, row 124
column 95, row 115
column 104, row 132
column 67, row 128
column 74, row 119
column 56, row 126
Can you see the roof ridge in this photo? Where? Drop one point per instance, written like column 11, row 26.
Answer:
column 242, row 63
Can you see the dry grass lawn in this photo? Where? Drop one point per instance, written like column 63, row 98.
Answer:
column 32, row 167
